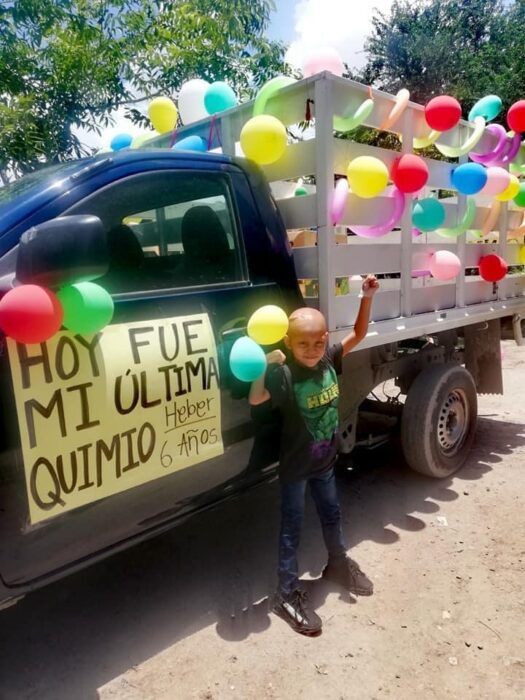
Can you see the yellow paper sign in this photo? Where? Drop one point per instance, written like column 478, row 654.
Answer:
column 105, row 413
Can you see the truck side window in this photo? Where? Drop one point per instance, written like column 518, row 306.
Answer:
column 168, row 229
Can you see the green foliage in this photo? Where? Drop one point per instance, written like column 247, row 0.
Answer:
column 434, row 47
column 69, row 63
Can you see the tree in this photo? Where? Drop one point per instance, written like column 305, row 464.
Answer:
column 432, row 47
column 67, row 63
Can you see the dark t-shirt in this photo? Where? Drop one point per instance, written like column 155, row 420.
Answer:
column 307, row 399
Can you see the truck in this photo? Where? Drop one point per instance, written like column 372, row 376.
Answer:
column 113, row 438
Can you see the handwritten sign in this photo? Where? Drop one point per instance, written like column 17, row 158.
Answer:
column 99, row 415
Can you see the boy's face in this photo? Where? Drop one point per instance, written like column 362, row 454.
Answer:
column 307, row 345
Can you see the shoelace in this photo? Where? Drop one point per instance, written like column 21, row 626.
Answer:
column 300, row 599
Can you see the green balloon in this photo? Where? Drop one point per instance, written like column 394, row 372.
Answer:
column 88, row 307
column 519, row 199
column 300, row 191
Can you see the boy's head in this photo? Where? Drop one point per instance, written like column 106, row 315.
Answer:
column 306, row 338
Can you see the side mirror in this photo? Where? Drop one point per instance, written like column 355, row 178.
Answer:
column 61, row 251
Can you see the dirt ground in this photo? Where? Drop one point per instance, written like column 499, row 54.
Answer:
column 186, row 616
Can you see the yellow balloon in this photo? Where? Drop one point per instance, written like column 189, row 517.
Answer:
column 521, row 254
column 511, row 190
column 367, row 176
column 141, row 139
column 162, row 113
column 268, row 325
column 263, row 139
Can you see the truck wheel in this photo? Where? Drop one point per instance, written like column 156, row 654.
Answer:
column 439, row 420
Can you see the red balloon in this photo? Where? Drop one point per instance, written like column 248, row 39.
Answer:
column 516, row 117
column 442, row 113
column 492, row 268
column 30, row 314
column 409, row 173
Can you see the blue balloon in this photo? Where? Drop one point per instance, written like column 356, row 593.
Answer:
column 247, row 360
column 191, row 143
column 488, row 107
column 428, row 214
column 120, row 141
column 218, row 97
column 469, row 178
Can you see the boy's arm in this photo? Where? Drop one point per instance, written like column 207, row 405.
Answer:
column 258, row 392
column 370, row 287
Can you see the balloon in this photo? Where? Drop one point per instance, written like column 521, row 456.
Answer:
column 492, row 268
column 488, row 107
column 367, row 176
column 191, row 101
column 322, row 59
column 409, row 173
column 497, row 151
column 263, row 139
column 218, row 97
column 498, row 179
column 400, row 104
column 463, row 225
column 339, row 198
column 353, row 119
column 269, row 90
column 88, row 307
column 467, row 145
column 247, row 360
column 521, row 254
column 120, row 141
column 162, row 114
column 300, row 191
column 444, row 265
column 442, row 113
column 428, row 214
column 191, row 143
column 268, row 325
column 511, row 190
column 386, row 226
column 469, row 178
column 30, row 314
column 511, row 152
column 142, row 139
column 516, row 116
column 519, row 199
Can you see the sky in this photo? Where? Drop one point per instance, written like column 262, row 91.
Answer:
column 303, row 24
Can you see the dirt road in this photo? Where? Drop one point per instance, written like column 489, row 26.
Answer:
column 185, row 616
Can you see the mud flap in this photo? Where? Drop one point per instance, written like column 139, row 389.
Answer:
column 483, row 356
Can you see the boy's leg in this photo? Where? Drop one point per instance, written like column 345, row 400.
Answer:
column 292, row 512
column 340, row 568
column 291, row 603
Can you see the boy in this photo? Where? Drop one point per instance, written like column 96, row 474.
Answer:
column 306, row 393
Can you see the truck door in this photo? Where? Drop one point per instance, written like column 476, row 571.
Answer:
column 181, row 285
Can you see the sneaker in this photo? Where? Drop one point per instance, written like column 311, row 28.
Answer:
column 293, row 609
column 346, row 573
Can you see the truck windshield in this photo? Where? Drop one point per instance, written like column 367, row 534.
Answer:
column 10, row 192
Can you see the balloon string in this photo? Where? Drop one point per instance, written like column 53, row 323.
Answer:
column 214, row 126
column 308, row 111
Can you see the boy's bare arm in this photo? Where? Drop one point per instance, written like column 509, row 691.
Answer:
column 258, row 392
column 370, row 287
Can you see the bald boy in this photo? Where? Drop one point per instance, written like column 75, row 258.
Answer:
column 303, row 386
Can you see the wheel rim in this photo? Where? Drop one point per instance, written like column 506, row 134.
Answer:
column 453, row 423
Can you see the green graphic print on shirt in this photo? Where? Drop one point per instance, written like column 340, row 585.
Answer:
column 317, row 400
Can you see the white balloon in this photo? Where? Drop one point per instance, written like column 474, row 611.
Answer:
column 191, row 101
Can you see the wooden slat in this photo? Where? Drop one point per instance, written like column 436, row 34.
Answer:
column 385, row 306
column 298, row 160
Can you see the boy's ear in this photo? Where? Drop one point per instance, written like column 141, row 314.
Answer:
column 325, row 336
column 287, row 342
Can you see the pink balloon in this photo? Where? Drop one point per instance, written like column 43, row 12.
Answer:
column 339, row 200
column 444, row 265
column 498, row 179
column 497, row 151
column 322, row 59
column 388, row 224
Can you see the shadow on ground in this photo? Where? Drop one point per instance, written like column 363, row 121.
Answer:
column 68, row 639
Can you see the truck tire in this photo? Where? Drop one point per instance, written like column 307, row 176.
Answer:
column 439, row 420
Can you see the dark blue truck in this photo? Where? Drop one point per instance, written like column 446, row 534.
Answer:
column 106, row 441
